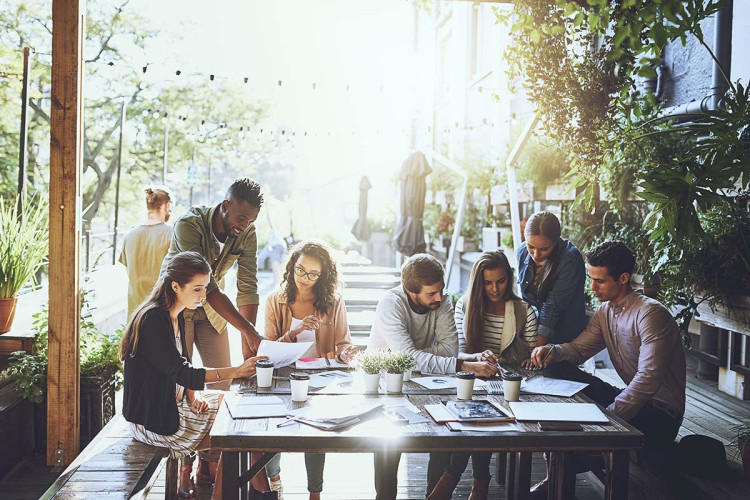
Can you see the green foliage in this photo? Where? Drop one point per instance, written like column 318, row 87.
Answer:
column 23, row 243
column 398, row 362
column 99, row 354
column 370, row 362
column 543, row 163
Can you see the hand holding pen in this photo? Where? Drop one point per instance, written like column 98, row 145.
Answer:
column 542, row 356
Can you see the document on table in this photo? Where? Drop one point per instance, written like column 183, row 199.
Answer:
column 443, row 382
column 282, row 353
column 324, row 379
column 558, row 412
column 318, row 364
column 336, row 412
column 480, row 427
column 247, row 406
column 552, row 386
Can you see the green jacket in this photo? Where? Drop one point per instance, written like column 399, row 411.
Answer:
column 193, row 231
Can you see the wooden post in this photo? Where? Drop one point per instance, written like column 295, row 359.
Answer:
column 66, row 132
column 23, row 135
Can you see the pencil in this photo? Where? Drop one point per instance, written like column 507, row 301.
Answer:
column 545, row 357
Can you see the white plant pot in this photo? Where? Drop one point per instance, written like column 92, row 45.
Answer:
column 407, row 375
column 372, row 382
column 394, row 382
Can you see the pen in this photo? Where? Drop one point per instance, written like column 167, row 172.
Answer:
column 287, row 421
column 328, row 361
column 545, row 357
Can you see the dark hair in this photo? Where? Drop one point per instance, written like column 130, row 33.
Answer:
column 614, row 255
column 157, row 197
column 326, row 286
column 475, row 300
column 421, row 269
column 247, row 190
column 548, row 225
column 181, row 269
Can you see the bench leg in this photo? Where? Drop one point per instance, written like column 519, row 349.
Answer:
column 617, row 464
column 171, row 478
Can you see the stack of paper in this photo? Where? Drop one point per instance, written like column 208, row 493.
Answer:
column 340, row 413
column 332, row 377
column 443, row 382
column 249, row 406
column 552, row 386
column 318, row 364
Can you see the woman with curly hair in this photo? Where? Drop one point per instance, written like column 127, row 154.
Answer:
column 308, row 308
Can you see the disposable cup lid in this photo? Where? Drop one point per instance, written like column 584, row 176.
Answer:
column 299, row 376
column 513, row 377
column 264, row 363
column 465, row 375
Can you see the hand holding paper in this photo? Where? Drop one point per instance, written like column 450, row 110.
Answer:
column 282, row 353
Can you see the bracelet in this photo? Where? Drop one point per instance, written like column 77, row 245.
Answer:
column 217, row 374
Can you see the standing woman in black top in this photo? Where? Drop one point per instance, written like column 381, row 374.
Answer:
column 160, row 398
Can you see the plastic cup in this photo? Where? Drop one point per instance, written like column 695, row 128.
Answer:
column 299, row 382
column 264, row 373
column 511, row 386
column 465, row 385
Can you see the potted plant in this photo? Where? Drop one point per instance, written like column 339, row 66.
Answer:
column 742, row 442
column 23, row 246
column 371, row 364
column 101, row 375
column 395, row 365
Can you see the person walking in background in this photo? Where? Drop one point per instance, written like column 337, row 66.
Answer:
column 552, row 277
column 224, row 235
column 494, row 325
column 308, row 308
column 159, row 397
column 144, row 248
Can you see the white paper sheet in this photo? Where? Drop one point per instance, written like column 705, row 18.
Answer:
column 558, row 412
column 318, row 364
column 443, row 382
column 552, row 386
column 330, row 377
column 282, row 353
column 247, row 406
column 477, row 427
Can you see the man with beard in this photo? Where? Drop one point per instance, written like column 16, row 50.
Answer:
column 223, row 234
column 417, row 318
column 144, row 248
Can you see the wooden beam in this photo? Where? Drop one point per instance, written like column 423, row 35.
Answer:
column 66, row 155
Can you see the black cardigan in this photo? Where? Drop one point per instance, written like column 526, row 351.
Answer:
column 150, row 376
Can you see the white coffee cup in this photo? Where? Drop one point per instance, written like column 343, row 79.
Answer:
column 264, row 373
column 465, row 385
column 511, row 386
column 299, row 382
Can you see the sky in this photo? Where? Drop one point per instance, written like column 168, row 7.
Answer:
column 346, row 68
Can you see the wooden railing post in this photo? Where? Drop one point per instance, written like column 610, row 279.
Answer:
column 66, row 155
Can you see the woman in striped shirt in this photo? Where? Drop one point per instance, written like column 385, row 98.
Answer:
column 493, row 325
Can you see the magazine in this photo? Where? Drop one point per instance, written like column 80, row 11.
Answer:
column 478, row 410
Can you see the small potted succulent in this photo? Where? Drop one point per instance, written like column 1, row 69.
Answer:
column 371, row 364
column 396, row 364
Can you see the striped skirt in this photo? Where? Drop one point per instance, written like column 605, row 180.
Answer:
column 193, row 428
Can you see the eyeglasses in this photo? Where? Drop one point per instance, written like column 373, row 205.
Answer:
column 304, row 274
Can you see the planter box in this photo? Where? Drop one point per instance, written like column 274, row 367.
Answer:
column 734, row 317
column 97, row 408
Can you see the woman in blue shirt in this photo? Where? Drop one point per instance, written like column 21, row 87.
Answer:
column 552, row 277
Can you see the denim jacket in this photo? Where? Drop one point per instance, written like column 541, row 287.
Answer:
column 562, row 315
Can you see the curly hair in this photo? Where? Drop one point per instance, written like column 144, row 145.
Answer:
column 325, row 287
column 247, row 190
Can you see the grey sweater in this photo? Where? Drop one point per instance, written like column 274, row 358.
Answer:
column 431, row 338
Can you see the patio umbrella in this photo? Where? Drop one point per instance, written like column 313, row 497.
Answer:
column 409, row 234
column 361, row 229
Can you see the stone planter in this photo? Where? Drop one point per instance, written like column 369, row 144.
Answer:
column 97, row 408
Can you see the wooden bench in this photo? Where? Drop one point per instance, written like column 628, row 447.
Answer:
column 114, row 465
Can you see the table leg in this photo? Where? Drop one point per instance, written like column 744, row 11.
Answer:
column 510, row 476
column 230, row 475
column 244, row 465
column 562, row 480
column 521, row 479
column 502, row 462
column 617, row 464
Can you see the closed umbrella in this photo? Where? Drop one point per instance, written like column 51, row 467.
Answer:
column 409, row 235
column 361, row 229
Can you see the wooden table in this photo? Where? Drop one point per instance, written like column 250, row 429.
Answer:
column 237, row 437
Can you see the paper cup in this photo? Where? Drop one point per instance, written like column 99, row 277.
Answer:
column 511, row 386
column 465, row 385
column 264, row 373
column 299, row 383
